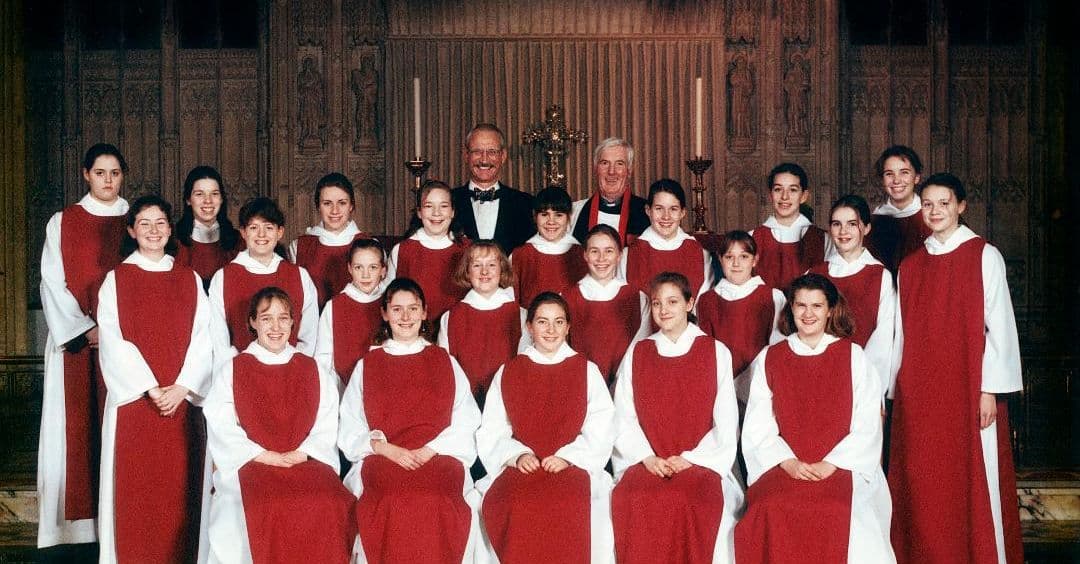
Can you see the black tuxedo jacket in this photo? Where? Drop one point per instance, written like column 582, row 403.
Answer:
column 514, row 225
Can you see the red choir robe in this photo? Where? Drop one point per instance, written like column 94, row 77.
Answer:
column 262, row 400
column 606, row 320
column 205, row 255
column 650, row 254
column 787, row 252
column 545, row 266
column 547, row 406
column 957, row 338
column 415, row 395
column 482, row 334
column 155, row 331
column 347, row 326
column 896, row 233
column 813, row 404
column 675, row 398
column 325, row 256
column 431, row 262
column 82, row 244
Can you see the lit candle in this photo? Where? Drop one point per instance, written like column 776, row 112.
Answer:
column 416, row 114
column 697, row 121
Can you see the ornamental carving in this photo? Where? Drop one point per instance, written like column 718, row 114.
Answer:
column 797, row 102
column 312, row 17
column 311, row 92
column 741, row 22
column 740, row 84
column 364, row 83
column 795, row 18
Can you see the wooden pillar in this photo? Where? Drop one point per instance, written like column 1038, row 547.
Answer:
column 13, row 316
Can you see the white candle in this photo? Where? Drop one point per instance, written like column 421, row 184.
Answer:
column 697, row 121
column 416, row 115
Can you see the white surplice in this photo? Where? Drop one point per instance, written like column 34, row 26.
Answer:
column 326, row 237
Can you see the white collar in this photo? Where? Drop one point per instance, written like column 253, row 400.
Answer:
column 433, row 243
column 363, row 297
column 243, row 258
column 474, row 186
column 97, row 207
column 538, row 357
column 802, row 349
column 593, row 291
column 331, row 239
column 681, row 346
column 205, row 233
column 144, row 262
column 559, row 247
column 397, row 348
column 840, row 267
column 497, row 299
column 962, row 235
column 267, row 356
column 657, row 242
column 909, row 210
column 730, row 291
column 800, row 224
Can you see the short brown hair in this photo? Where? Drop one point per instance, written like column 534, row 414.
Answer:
column 461, row 273
column 840, row 323
column 267, row 296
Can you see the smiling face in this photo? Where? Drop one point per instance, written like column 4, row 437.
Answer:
column 367, row 269
column 261, row 237
column 738, row 264
column 810, row 308
column 665, row 214
column 549, row 328
column 602, row 256
column 941, row 210
column 272, row 324
column 613, row 172
column 787, row 194
column 105, row 179
column 484, row 272
column 670, row 309
column 335, row 208
column 899, row 179
column 551, row 224
column 151, row 231
column 404, row 313
column 847, row 231
column 485, row 158
column 436, row 212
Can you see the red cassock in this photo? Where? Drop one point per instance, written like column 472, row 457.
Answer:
column 158, row 461
column 941, row 501
column 327, row 265
column 602, row 330
column 89, row 245
column 355, row 324
column 744, row 325
column 482, row 340
column 643, row 263
column 297, row 514
column 893, row 238
column 420, row 515
column 205, row 258
column 433, row 269
column 781, row 263
column 541, row 517
column 239, row 285
column 862, row 291
column 537, row 272
column 789, row 520
column 674, row 519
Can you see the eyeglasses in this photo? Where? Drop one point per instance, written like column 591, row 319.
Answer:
column 491, row 153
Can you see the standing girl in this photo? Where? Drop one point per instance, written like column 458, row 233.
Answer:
column 788, row 243
column 551, row 260
column 208, row 240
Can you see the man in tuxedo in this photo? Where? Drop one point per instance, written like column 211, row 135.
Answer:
column 613, row 203
column 485, row 208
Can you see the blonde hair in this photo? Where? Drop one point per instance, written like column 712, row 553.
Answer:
column 461, row 273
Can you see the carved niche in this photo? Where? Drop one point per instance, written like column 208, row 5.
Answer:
column 311, row 21
column 741, row 102
column 797, row 102
column 796, row 16
column 364, row 83
column 311, row 93
column 741, row 22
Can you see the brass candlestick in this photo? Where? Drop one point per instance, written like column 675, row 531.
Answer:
column 698, row 165
column 418, row 167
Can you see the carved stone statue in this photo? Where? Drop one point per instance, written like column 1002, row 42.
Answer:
column 797, row 100
column 741, row 96
column 365, row 88
column 312, row 95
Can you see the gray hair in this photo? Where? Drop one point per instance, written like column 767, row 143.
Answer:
column 485, row 127
column 614, row 142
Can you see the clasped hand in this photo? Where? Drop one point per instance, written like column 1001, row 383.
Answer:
column 529, row 463
column 666, row 467
column 800, row 470
column 407, row 459
column 167, row 400
column 281, row 459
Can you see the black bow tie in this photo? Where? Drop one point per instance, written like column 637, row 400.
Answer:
column 485, row 195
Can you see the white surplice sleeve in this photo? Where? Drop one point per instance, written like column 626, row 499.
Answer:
column 860, row 450
column 320, row 443
column 459, row 439
column 631, row 446
column 307, row 334
column 591, row 449
column 526, row 338
column 763, row 447
column 195, row 374
column 645, row 323
column 716, row 450
column 495, row 442
column 779, row 301
column 707, row 280
column 66, row 320
column 219, row 325
column 324, row 345
column 879, row 345
column 392, row 262
column 229, row 444
column 127, row 375
column 443, row 340
column 897, row 346
column 290, row 253
column 1001, row 356
column 354, row 434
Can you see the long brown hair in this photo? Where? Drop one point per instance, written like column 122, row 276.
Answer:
column 840, row 322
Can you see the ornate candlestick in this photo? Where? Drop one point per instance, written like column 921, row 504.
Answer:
column 418, row 167
column 698, row 165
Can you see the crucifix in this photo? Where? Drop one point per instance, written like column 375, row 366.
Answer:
column 554, row 138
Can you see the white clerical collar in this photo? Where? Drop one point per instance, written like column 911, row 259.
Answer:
column 435, row 243
column 398, row 348
column 497, row 299
column 788, row 233
column 244, row 259
column 331, row 239
column 731, row 292
column 594, row 291
column 962, row 235
column 564, row 352
column 681, row 346
column 840, row 267
column 361, row 296
column 201, row 233
column 553, row 247
column 659, row 243
column 266, row 356
column 474, row 186
column 802, row 349
column 909, row 210
column 97, row 207
column 164, row 264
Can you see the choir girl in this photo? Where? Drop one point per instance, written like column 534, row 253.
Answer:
column 546, row 434
column 483, row 330
column 81, row 243
column 350, row 320
column 664, row 246
column 741, row 311
column 788, row 243
column 407, row 424
column 898, row 227
column 866, row 285
column 206, row 236
column 323, row 249
column 154, row 323
column 272, row 422
column 551, row 260
column 956, row 350
column 262, row 225
column 676, row 496
column 431, row 250
column 609, row 314
column 812, row 441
